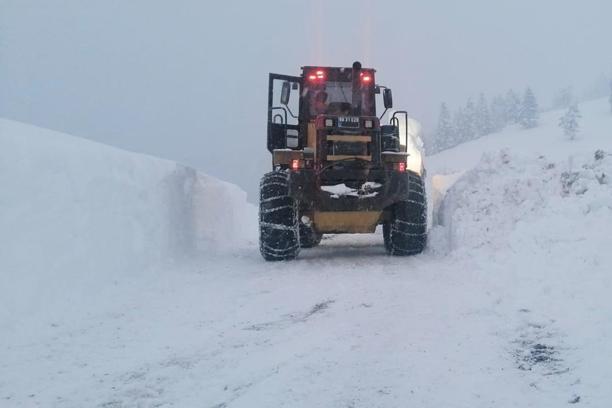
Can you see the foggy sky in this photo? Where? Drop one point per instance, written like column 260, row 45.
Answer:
column 186, row 80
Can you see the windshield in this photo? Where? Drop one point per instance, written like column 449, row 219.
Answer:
column 339, row 92
column 334, row 98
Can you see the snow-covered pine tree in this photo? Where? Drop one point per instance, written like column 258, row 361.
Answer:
column 528, row 117
column 483, row 117
column 444, row 132
column 513, row 107
column 460, row 127
column 569, row 121
column 498, row 114
column 471, row 120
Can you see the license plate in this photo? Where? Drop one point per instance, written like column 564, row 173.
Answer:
column 348, row 121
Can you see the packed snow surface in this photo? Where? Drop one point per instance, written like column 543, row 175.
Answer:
column 508, row 307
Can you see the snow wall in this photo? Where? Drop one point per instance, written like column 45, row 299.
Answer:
column 72, row 211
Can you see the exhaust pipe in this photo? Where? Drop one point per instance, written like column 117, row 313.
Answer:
column 356, row 97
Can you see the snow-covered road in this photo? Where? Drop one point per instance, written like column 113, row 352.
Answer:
column 343, row 326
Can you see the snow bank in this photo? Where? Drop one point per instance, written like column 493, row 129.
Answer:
column 76, row 214
column 505, row 193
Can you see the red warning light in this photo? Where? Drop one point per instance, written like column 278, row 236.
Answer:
column 401, row 167
column 295, row 164
column 366, row 77
column 317, row 75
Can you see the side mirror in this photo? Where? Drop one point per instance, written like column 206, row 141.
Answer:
column 285, row 92
column 387, row 98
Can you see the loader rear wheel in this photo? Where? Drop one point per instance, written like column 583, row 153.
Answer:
column 309, row 238
column 406, row 232
column 279, row 237
column 387, row 236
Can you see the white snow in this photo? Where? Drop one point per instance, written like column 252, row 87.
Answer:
column 364, row 191
column 547, row 139
column 75, row 215
column 508, row 307
column 370, row 185
column 338, row 190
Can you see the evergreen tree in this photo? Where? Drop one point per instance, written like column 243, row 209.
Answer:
column 460, row 126
column 528, row 117
column 444, row 132
column 497, row 113
column 483, row 117
column 569, row 122
column 470, row 121
column 513, row 107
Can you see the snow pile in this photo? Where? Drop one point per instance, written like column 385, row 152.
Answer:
column 505, row 192
column 76, row 214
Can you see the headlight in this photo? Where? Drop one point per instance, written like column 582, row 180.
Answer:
column 368, row 123
column 329, row 122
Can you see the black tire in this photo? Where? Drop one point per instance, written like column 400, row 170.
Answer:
column 309, row 238
column 406, row 232
column 387, row 236
column 279, row 237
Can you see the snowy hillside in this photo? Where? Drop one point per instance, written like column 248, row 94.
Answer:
column 508, row 307
column 546, row 139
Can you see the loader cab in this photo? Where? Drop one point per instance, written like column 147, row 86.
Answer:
column 344, row 94
column 333, row 93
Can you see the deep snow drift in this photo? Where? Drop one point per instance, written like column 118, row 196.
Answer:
column 74, row 215
column 508, row 307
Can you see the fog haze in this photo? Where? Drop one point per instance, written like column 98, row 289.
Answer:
column 186, row 80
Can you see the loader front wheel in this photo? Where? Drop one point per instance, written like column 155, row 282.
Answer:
column 279, row 236
column 406, row 231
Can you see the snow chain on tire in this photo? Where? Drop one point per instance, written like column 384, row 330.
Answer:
column 406, row 232
column 279, row 237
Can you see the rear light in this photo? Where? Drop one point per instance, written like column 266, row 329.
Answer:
column 329, row 122
column 400, row 166
column 295, row 164
column 368, row 123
